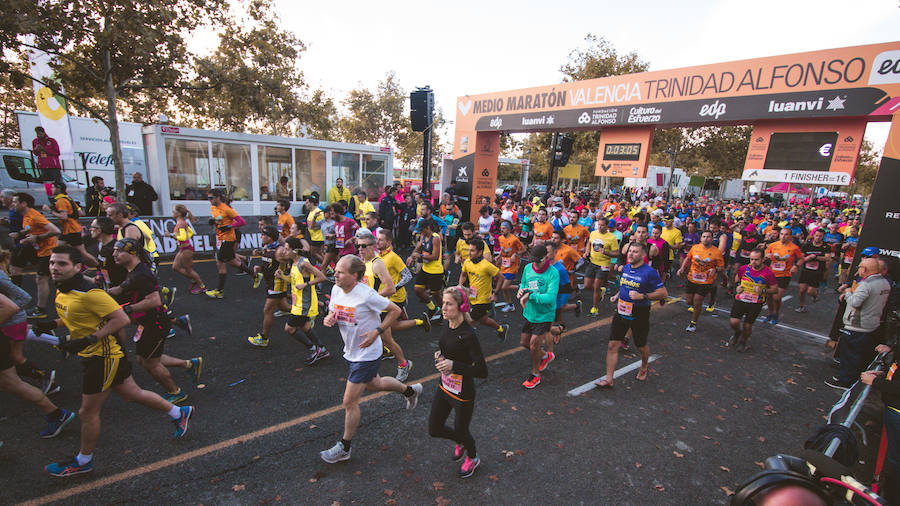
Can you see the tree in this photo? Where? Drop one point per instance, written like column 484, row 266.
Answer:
column 110, row 52
column 866, row 169
column 15, row 93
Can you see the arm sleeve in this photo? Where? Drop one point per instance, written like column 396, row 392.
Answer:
column 17, row 295
column 405, row 277
column 478, row 367
column 238, row 221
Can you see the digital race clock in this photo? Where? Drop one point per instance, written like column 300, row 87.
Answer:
column 628, row 152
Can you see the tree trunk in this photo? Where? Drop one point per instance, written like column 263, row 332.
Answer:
column 113, row 124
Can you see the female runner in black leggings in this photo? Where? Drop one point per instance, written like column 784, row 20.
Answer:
column 459, row 361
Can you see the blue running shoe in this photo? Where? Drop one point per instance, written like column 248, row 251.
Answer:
column 181, row 425
column 171, row 334
column 69, row 468
column 196, row 369
column 178, row 398
column 54, row 427
column 184, row 322
column 774, row 321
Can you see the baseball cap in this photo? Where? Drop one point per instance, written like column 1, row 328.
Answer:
column 870, row 251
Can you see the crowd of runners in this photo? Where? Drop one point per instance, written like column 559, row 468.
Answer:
column 340, row 263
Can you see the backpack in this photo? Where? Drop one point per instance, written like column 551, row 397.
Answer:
column 77, row 211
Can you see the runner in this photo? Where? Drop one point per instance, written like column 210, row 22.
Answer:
column 782, row 255
column 225, row 220
column 37, row 238
column 542, row 228
column 674, row 238
column 109, row 273
column 754, row 282
column 401, row 277
column 603, row 246
column 816, row 254
column 510, row 250
column 537, row 295
column 184, row 259
column 93, row 318
column 314, row 219
column 285, row 220
column 57, row 418
column 67, row 211
column 356, row 309
column 703, row 263
column 639, row 286
column 274, row 259
column 303, row 277
column 484, row 280
column 848, row 251
column 459, row 360
column 430, row 278
column 568, row 259
column 379, row 279
column 139, row 295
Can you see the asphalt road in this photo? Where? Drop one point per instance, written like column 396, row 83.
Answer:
column 703, row 422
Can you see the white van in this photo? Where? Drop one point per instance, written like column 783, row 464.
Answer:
column 19, row 174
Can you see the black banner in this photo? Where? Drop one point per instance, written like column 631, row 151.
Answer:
column 462, row 174
column 882, row 221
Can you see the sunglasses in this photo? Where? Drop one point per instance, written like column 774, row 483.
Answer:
column 211, row 197
column 366, row 245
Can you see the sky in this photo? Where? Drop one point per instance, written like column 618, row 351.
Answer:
column 468, row 47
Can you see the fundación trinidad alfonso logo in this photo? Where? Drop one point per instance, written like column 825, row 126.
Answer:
column 584, row 119
column 464, row 107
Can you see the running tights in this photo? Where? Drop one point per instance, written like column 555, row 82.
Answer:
column 440, row 411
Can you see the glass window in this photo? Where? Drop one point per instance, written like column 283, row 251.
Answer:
column 21, row 168
column 231, row 169
column 346, row 166
column 374, row 175
column 310, row 172
column 188, row 168
column 275, row 173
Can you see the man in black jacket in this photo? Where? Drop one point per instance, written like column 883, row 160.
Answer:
column 93, row 196
column 386, row 209
column 141, row 194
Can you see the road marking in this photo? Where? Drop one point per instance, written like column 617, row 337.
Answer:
column 816, row 337
column 244, row 438
column 590, row 385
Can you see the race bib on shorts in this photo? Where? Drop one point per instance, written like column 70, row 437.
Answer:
column 452, row 383
column 625, row 308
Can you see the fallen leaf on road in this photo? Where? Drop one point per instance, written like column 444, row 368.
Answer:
column 520, row 452
column 408, row 457
column 408, row 473
column 660, row 488
column 358, row 473
column 679, row 455
column 725, row 469
column 493, row 477
column 390, row 502
column 727, row 490
column 761, row 439
column 315, row 477
column 388, row 492
column 811, row 389
column 706, row 437
column 238, row 488
column 638, row 465
column 760, row 464
column 514, row 408
column 313, row 426
column 549, row 412
column 790, row 381
column 440, row 501
column 438, row 485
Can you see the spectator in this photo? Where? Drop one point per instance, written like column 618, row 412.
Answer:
column 386, row 209
column 47, row 151
column 93, row 197
column 361, row 205
column 861, row 318
column 338, row 192
column 141, row 194
column 283, row 189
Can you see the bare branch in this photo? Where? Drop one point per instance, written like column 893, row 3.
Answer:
column 66, row 57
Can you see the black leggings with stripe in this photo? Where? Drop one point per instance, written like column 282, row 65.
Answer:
column 440, row 411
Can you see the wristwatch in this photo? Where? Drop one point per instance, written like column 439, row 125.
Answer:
column 380, row 330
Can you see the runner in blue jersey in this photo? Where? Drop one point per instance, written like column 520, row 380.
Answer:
column 640, row 284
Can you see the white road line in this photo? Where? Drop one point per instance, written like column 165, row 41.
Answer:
column 816, row 337
column 787, row 297
column 590, row 385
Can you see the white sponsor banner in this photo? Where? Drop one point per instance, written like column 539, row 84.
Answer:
column 51, row 107
column 815, row 177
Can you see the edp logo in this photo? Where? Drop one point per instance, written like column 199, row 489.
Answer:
column 714, row 109
column 496, row 122
column 886, row 68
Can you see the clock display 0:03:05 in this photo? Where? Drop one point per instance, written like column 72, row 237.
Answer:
column 628, row 152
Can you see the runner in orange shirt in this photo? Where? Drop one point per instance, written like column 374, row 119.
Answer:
column 285, row 220
column 542, row 228
column 64, row 209
column 224, row 218
column 782, row 256
column 37, row 238
column 576, row 235
column 569, row 258
column 703, row 263
column 510, row 249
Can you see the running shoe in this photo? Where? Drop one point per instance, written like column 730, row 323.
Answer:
column 509, row 308
column 312, row 357
column 801, row 309
column 196, row 369
column 595, row 311
column 833, row 382
column 387, row 354
column 577, row 309
column 426, row 322
column 692, row 327
column 710, row 308
column 54, row 388
column 403, row 371
column 468, row 467
column 181, row 425
column 36, row 312
column 774, row 321
column 546, row 361
column 197, row 290
column 434, row 312
column 768, row 319
column 54, row 427
column 279, row 313
column 501, row 334
column 322, row 353
column 215, row 294
column 258, row 340
column 71, row 468
column 171, row 333
column 732, row 341
column 169, row 294
column 257, row 279
column 47, row 381
column 178, row 398
column 532, row 381
column 690, row 309
column 184, row 322
column 459, row 452
column 412, row 401
column 500, row 305
column 335, row 454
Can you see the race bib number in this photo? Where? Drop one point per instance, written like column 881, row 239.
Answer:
column 752, row 298
column 813, row 266
column 266, row 259
column 625, row 308
column 345, row 315
column 779, row 265
column 505, row 261
column 699, row 277
column 137, row 335
column 452, row 383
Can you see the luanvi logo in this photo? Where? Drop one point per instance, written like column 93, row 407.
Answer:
column 497, row 122
column 714, row 109
column 799, row 105
column 584, row 119
column 464, row 107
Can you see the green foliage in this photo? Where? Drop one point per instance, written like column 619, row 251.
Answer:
column 15, row 94
column 866, row 169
